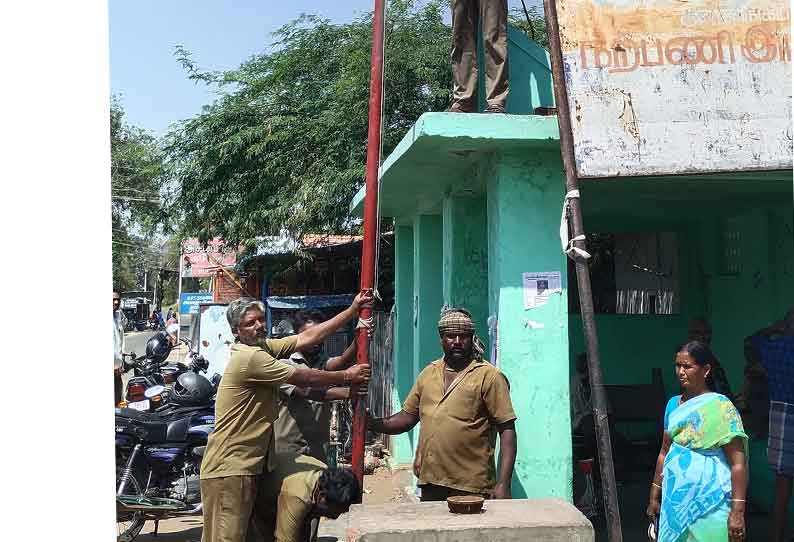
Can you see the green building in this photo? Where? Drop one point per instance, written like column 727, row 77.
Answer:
column 477, row 201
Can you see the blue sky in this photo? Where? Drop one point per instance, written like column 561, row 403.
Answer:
column 221, row 34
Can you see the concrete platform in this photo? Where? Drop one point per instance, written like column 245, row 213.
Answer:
column 518, row 520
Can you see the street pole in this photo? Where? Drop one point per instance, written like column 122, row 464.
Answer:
column 371, row 228
column 179, row 296
column 600, row 415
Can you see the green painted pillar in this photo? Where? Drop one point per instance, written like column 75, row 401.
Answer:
column 428, row 298
column 404, row 377
column 525, row 195
column 465, row 262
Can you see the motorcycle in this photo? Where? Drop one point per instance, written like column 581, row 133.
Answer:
column 154, row 377
column 159, row 453
column 158, row 460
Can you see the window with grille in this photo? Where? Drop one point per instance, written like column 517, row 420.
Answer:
column 631, row 273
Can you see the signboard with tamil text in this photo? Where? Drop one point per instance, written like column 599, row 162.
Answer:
column 671, row 87
column 189, row 302
column 199, row 261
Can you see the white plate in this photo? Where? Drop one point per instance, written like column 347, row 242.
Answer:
column 154, row 391
column 140, row 405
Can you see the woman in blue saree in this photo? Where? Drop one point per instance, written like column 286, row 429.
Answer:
column 700, row 485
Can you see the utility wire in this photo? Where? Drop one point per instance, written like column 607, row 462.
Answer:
column 529, row 22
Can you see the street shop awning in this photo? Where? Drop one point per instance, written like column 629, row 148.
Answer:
column 308, row 301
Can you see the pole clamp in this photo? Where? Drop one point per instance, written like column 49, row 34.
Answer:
column 568, row 247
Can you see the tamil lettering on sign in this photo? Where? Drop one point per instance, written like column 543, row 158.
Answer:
column 200, row 261
column 189, row 302
column 670, row 87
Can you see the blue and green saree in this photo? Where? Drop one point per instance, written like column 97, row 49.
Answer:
column 696, row 482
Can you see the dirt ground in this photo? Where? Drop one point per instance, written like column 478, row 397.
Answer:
column 383, row 486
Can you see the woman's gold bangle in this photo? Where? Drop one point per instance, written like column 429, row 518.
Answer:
column 656, row 485
column 738, row 500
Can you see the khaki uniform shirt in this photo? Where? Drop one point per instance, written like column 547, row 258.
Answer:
column 245, row 408
column 303, row 426
column 287, row 497
column 457, row 436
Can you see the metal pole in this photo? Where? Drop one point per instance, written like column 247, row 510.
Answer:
column 179, row 295
column 371, row 233
column 608, row 483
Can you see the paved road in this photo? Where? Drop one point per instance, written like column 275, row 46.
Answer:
column 135, row 341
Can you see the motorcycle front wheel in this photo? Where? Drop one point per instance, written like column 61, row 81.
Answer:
column 129, row 525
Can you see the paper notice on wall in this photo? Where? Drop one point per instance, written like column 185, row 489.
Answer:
column 538, row 287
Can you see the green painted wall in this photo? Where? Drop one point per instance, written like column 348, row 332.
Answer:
column 428, row 298
column 402, row 445
column 763, row 289
column 736, row 305
column 524, row 198
column 740, row 304
column 465, row 262
column 529, row 74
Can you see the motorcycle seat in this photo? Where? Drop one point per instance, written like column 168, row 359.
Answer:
column 137, row 415
column 151, row 427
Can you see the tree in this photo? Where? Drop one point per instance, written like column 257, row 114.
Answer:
column 136, row 165
column 532, row 21
column 283, row 148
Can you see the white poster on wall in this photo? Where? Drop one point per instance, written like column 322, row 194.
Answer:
column 538, row 287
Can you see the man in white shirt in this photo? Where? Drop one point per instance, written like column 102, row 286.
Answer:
column 119, row 322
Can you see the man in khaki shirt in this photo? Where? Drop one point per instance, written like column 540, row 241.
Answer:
column 304, row 422
column 462, row 402
column 299, row 491
column 239, row 449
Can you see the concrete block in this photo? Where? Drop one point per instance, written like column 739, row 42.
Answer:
column 518, row 520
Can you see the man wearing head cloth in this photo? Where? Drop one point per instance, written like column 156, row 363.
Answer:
column 463, row 402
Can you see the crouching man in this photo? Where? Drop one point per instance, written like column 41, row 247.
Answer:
column 299, row 491
column 462, row 402
column 240, row 449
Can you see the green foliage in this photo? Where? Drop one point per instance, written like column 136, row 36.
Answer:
column 283, row 148
column 532, row 22
column 136, row 166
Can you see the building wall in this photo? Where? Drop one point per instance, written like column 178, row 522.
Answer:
column 524, row 196
column 225, row 290
column 404, row 377
column 738, row 299
column 465, row 258
column 736, row 304
column 474, row 253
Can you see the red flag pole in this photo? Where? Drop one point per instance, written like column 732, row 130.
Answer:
column 371, row 233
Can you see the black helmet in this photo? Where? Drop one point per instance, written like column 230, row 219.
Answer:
column 192, row 389
column 158, row 347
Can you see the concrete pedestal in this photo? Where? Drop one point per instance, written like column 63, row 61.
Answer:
column 518, row 520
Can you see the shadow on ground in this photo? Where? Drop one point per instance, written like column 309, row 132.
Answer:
column 173, row 530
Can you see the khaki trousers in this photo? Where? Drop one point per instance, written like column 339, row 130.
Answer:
column 228, row 508
column 233, row 512
column 466, row 16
